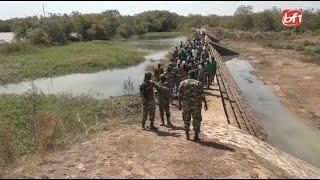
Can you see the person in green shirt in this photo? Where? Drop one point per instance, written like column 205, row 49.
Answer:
column 210, row 68
column 183, row 54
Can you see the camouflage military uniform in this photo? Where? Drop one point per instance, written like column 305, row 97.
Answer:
column 170, row 79
column 148, row 102
column 175, row 53
column 178, row 73
column 191, row 95
column 157, row 72
column 164, row 96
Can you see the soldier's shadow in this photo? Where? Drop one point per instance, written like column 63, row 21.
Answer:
column 177, row 128
column 215, row 145
column 164, row 133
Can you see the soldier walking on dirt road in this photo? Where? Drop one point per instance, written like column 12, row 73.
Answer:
column 191, row 95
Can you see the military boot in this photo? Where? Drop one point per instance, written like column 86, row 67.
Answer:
column 152, row 127
column 168, row 121
column 162, row 121
column 196, row 137
column 187, row 135
column 143, row 125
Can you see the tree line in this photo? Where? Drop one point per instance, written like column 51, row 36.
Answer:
column 59, row 29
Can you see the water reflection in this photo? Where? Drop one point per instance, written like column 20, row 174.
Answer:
column 6, row 37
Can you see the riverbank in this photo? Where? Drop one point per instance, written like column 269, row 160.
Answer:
column 160, row 35
column 292, row 75
column 77, row 57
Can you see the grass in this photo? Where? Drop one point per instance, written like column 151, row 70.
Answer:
column 159, row 35
column 305, row 47
column 36, row 123
column 79, row 57
column 16, row 47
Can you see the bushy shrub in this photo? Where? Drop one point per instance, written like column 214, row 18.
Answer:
column 38, row 36
column 125, row 30
column 15, row 47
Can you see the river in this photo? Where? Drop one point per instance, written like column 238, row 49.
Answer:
column 104, row 84
column 6, row 36
column 285, row 130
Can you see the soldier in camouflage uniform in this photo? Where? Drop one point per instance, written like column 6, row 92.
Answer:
column 191, row 95
column 201, row 74
column 157, row 72
column 148, row 102
column 178, row 74
column 175, row 53
column 164, row 95
column 170, row 79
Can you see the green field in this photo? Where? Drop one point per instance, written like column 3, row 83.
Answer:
column 77, row 57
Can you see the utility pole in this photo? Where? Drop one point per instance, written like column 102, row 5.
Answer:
column 44, row 13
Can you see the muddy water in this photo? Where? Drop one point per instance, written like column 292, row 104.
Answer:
column 285, row 131
column 102, row 84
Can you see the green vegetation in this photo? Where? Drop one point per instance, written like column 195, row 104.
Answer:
column 37, row 123
column 304, row 47
column 58, row 29
column 16, row 47
column 24, row 61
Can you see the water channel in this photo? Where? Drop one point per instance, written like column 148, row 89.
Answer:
column 285, row 130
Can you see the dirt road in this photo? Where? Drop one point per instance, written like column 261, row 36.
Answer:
column 293, row 76
column 126, row 151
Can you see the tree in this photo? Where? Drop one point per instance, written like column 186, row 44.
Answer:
column 111, row 19
column 242, row 9
column 265, row 21
column 55, row 30
column 82, row 26
column 21, row 26
column 37, row 36
column 125, row 30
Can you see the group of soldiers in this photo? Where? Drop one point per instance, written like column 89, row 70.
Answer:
column 190, row 70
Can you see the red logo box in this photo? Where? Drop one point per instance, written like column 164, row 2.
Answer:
column 291, row 17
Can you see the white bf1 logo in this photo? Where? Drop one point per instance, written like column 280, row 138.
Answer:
column 291, row 17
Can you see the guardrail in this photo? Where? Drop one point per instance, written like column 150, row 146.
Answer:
column 237, row 112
